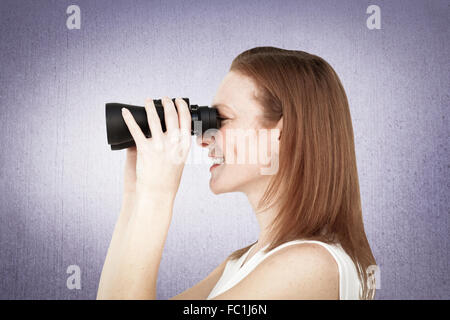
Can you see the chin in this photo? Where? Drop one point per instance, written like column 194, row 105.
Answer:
column 225, row 181
column 218, row 187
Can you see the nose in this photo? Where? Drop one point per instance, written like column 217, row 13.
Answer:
column 204, row 141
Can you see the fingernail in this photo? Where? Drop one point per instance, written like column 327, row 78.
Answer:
column 124, row 110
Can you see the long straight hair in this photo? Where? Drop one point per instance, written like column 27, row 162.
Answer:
column 316, row 186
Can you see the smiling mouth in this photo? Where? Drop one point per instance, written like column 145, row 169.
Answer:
column 218, row 161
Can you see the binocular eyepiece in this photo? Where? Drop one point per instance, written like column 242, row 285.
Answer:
column 119, row 137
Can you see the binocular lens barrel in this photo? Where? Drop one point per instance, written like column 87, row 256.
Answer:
column 119, row 137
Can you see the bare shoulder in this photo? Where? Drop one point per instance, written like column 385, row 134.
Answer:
column 308, row 254
column 297, row 271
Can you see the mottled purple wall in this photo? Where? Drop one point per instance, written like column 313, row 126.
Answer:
column 60, row 186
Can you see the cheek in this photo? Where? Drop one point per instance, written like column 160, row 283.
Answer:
column 268, row 147
column 228, row 146
column 233, row 177
column 255, row 150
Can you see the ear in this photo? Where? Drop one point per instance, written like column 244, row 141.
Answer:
column 276, row 136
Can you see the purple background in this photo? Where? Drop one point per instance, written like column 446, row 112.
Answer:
column 60, row 187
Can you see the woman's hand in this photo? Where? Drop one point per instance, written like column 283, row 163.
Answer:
column 152, row 176
column 158, row 162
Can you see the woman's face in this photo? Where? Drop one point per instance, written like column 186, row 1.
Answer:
column 240, row 139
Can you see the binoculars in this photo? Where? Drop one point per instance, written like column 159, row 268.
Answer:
column 119, row 137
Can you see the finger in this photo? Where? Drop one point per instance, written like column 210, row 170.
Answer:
column 185, row 140
column 184, row 116
column 133, row 127
column 174, row 136
column 154, row 122
column 170, row 115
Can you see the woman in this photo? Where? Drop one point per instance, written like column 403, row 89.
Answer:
column 312, row 243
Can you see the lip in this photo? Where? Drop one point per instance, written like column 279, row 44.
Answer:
column 214, row 166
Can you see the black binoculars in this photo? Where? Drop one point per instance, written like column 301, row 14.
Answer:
column 119, row 137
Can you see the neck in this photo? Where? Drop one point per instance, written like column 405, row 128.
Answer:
column 263, row 216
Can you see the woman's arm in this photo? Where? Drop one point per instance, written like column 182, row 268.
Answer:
column 153, row 176
column 131, row 268
column 303, row 271
column 113, row 255
column 128, row 199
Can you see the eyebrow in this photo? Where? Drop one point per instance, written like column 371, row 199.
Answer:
column 219, row 105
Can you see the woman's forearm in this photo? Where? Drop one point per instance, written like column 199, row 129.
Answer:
column 134, row 256
column 113, row 255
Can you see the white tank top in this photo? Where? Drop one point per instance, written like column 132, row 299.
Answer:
column 349, row 284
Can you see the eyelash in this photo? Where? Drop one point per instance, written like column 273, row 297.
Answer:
column 222, row 118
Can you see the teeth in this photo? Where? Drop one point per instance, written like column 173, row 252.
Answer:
column 218, row 160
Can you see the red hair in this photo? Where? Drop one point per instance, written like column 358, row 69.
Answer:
column 316, row 187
